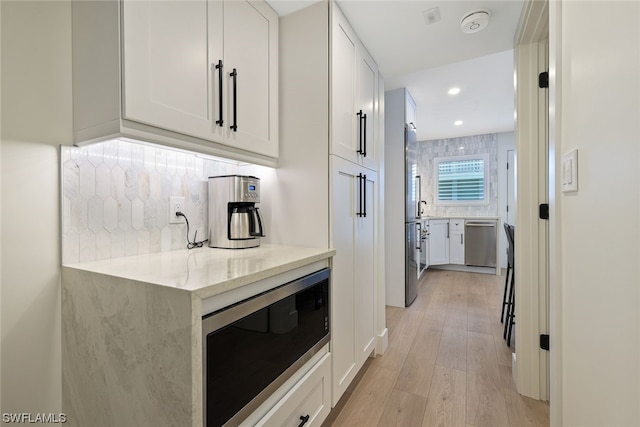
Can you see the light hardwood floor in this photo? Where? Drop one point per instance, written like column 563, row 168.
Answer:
column 446, row 365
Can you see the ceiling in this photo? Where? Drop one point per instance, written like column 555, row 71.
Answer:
column 430, row 59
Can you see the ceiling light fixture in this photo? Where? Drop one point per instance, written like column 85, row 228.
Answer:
column 454, row 91
column 458, row 122
column 475, row 21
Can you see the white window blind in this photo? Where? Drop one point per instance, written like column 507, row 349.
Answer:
column 461, row 180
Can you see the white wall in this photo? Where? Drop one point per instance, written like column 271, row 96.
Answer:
column 596, row 268
column 36, row 118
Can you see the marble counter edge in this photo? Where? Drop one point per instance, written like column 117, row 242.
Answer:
column 207, row 289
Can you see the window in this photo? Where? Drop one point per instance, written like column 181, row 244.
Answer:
column 462, row 180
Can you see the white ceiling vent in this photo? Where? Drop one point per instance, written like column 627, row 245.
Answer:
column 431, row 16
column 475, row 21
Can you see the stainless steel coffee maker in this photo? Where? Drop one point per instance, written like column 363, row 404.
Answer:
column 234, row 219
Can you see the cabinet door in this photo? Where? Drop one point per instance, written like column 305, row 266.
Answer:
column 456, row 247
column 344, row 206
column 439, row 242
column 344, row 67
column 456, row 243
column 365, row 272
column 353, row 298
column 166, row 66
column 250, row 47
column 367, row 97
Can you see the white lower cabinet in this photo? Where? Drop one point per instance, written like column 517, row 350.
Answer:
column 354, row 278
column 309, row 400
column 439, row 241
column 456, row 242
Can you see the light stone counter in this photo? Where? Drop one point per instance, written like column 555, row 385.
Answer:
column 131, row 328
column 470, row 218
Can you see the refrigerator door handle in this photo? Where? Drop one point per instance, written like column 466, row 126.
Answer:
column 418, row 194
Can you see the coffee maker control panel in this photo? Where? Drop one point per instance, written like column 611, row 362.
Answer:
column 250, row 190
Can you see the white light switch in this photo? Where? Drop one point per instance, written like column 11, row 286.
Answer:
column 570, row 171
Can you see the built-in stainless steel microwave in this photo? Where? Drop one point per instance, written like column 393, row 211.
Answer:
column 251, row 348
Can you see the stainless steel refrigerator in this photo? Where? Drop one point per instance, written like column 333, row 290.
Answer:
column 412, row 227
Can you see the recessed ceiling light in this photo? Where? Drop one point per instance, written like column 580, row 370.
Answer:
column 458, row 122
column 461, row 148
column 454, row 91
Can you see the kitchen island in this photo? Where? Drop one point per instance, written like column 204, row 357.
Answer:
column 132, row 327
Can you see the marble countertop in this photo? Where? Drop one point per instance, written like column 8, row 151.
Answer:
column 207, row 271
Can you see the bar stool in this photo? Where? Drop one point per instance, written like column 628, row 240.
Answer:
column 509, row 268
column 511, row 304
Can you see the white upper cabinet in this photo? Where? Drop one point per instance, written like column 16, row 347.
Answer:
column 251, row 49
column 173, row 81
column 354, row 96
column 166, row 64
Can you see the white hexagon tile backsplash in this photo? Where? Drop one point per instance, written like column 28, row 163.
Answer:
column 115, row 198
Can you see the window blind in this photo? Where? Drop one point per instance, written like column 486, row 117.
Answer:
column 461, row 180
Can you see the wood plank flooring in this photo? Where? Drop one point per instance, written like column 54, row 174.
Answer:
column 446, row 365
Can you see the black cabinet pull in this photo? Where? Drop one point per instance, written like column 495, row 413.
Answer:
column 359, row 114
column 359, row 213
column 303, row 420
column 364, row 197
column 219, row 68
column 364, row 133
column 234, row 126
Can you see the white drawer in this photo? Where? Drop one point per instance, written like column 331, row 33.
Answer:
column 311, row 396
column 456, row 225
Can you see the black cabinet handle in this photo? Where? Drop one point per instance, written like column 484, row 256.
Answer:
column 219, row 68
column 234, row 75
column 364, row 203
column 303, row 420
column 364, row 133
column 360, row 114
column 359, row 213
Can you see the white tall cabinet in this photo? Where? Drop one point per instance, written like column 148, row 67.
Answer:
column 318, row 46
column 354, row 221
column 192, row 74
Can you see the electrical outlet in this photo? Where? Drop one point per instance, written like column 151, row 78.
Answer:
column 176, row 204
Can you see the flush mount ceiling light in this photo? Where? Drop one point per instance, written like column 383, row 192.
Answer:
column 475, row 21
column 458, row 123
column 454, row 91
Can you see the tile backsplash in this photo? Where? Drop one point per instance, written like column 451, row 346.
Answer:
column 468, row 145
column 115, row 198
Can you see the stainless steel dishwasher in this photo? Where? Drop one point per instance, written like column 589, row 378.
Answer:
column 480, row 243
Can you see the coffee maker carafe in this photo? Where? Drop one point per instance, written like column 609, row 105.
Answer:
column 234, row 219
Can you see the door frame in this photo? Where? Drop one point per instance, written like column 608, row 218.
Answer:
column 531, row 369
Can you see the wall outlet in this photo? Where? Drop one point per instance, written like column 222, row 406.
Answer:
column 176, row 204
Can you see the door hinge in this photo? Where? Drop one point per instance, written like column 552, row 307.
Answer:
column 544, row 211
column 544, row 342
column 543, row 80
